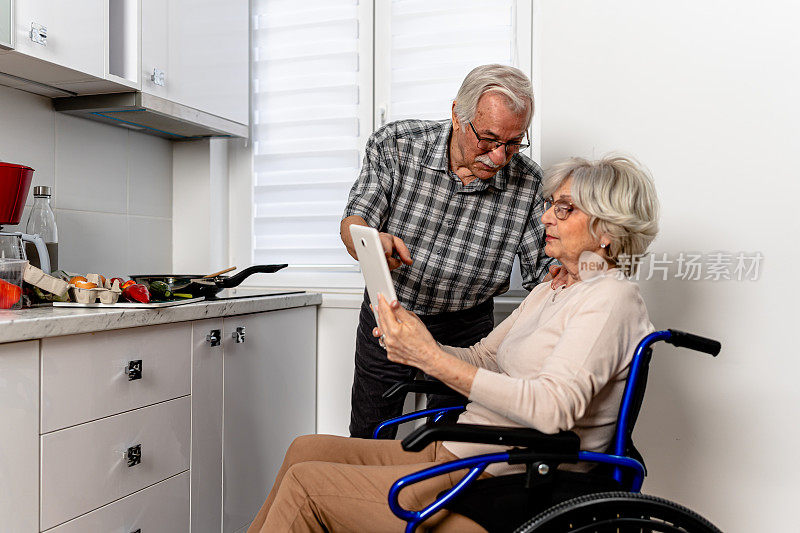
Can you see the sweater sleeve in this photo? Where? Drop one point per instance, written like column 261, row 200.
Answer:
column 590, row 352
column 483, row 354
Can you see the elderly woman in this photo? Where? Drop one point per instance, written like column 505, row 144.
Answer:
column 559, row 362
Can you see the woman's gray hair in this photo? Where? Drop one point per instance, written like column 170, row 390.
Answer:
column 509, row 81
column 620, row 198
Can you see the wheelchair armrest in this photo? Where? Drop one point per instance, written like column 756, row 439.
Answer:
column 565, row 442
column 401, row 388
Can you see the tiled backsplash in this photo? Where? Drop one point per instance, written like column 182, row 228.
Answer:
column 112, row 187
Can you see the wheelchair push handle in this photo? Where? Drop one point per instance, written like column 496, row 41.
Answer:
column 694, row 342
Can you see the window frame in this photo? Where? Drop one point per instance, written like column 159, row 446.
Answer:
column 375, row 81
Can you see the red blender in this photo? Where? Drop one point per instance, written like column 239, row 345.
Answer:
column 15, row 180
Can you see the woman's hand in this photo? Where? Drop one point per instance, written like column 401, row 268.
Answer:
column 406, row 338
column 559, row 275
column 409, row 342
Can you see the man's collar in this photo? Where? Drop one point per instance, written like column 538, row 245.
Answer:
column 438, row 158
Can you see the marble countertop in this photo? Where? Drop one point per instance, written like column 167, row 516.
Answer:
column 41, row 322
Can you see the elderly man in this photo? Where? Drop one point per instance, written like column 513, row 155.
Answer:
column 455, row 202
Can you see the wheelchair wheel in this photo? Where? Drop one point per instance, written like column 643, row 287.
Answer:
column 618, row 512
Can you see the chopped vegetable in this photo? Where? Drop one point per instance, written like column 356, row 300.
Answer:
column 136, row 293
column 9, row 294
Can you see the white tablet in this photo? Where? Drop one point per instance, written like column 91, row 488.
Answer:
column 373, row 264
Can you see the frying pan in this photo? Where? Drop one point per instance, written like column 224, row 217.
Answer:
column 197, row 286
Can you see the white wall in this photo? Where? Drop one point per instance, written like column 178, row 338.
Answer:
column 112, row 188
column 705, row 94
column 200, row 228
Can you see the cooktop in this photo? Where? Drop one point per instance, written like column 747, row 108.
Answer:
column 249, row 292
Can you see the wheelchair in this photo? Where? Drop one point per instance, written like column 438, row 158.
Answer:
column 546, row 499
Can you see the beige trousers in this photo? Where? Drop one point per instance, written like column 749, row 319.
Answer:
column 341, row 484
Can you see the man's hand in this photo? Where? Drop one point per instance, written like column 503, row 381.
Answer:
column 395, row 246
column 395, row 249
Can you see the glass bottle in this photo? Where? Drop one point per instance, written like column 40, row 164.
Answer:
column 42, row 221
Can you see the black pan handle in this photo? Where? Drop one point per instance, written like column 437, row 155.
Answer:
column 235, row 280
column 694, row 342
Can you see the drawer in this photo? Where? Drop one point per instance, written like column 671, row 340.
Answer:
column 164, row 507
column 84, row 467
column 84, row 378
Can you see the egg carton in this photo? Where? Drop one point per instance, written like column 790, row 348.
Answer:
column 106, row 292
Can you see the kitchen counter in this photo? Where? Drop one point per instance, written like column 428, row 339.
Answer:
column 45, row 322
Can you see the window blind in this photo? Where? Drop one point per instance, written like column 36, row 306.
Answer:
column 432, row 46
column 308, row 126
column 323, row 78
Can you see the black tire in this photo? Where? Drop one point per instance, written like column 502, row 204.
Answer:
column 618, row 512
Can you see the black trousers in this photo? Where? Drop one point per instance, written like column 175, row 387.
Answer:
column 374, row 373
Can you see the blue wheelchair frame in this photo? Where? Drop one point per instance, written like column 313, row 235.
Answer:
column 616, row 456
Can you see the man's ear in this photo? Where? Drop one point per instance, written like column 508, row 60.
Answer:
column 456, row 123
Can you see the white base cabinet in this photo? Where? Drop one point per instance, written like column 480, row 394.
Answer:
column 19, row 436
column 269, row 384
column 189, row 440
column 164, row 507
column 264, row 374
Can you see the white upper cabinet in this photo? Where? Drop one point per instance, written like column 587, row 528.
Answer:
column 63, row 33
column 195, row 53
column 156, row 73
column 70, row 48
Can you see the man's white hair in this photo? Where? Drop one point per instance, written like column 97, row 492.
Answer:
column 508, row 81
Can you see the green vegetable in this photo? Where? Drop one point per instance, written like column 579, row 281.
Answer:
column 182, row 295
column 160, row 290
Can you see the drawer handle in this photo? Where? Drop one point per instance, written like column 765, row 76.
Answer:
column 134, row 369
column 214, row 338
column 134, row 455
column 238, row 335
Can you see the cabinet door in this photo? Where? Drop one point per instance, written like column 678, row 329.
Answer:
column 201, row 46
column 19, row 436
column 5, row 24
column 75, row 36
column 270, row 397
column 208, row 51
column 206, row 465
column 155, row 48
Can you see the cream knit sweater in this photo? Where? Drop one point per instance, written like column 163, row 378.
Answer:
column 558, row 362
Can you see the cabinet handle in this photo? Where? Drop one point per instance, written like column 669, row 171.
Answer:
column 38, row 34
column 134, row 370
column 214, row 337
column 158, row 77
column 238, row 335
column 134, row 455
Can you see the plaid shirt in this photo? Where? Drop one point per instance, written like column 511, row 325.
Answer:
column 462, row 238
